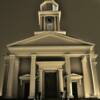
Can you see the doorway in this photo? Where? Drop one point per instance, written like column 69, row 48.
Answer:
column 25, row 90
column 74, row 89
column 50, row 85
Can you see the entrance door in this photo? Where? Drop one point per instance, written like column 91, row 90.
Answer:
column 26, row 89
column 50, row 85
column 74, row 88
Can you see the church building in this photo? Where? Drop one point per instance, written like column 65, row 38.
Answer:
column 51, row 64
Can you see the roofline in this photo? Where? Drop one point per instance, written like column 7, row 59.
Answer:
column 39, row 36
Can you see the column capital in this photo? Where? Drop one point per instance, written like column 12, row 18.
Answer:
column 33, row 55
column 67, row 55
column 95, row 63
column 67, row 58
column 12, row 55
column 93, row 55
column 93, row 58
column 84, row 58
column 41, row 70
column 60, row 69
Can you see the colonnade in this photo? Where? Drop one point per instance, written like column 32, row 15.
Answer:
column 14, row 69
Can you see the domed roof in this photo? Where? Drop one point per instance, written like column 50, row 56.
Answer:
column 49, row 5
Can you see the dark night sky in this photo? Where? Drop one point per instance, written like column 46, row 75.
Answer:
column 18, row 20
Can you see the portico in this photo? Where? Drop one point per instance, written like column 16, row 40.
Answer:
column 60, row 67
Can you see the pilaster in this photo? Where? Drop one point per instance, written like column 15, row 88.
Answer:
column 55, row 23
column 16, row 71
column 68, row 74
column 58, row 22
column 94, row 74
column 61, row 87
column 40, row 81
column 32, row 76
column 11, row 74
column 44, row 21
column 85, row 77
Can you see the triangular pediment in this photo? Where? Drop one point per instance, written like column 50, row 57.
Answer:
column 50, row 40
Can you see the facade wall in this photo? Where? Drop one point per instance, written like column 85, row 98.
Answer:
column 25, row 66
column 76, row 66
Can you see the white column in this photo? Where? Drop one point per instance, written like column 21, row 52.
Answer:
column 69, row 87
column 86, row 77
column 40, row 19
column 55, row 25
column 10, row 81
column 40, row 81
column 58, row 23
column 16, row 71
column 68, row 73
column 97, row 80
column 44, row 21
column 32, row 76
column 94, row 76
column 61, row 87
column 6, row 67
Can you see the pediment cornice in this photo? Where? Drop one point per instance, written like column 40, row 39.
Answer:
column 50, row 39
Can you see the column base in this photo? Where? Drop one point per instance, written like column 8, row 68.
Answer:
column 30, row 97
column 98, row 97
column 71, row 96
column 92, row 97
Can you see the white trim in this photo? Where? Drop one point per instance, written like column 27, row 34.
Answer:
column 50, row 65
column 53, row 49
column 24, row 48
column 25, row 77
column 51, row 54
column 50, row 32
column 76, row 76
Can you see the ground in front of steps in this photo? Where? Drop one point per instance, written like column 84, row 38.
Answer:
column 72, row 99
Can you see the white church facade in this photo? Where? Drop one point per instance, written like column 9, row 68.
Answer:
column 51, row 64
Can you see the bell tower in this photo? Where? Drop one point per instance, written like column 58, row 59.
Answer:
column 49, row 16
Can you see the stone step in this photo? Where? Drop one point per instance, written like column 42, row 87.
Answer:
column 51, row 99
